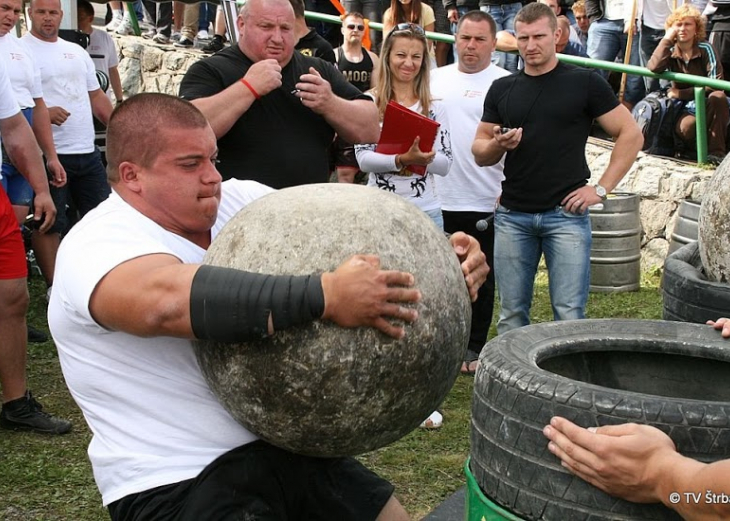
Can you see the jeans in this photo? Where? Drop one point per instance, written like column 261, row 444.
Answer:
column 85, row 188
column 504, row 17
column 607, row 41
column 519, row 241
column 648, row 40
column 372, row 10
column 437, row 218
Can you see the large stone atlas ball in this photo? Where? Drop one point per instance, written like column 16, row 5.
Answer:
column 714, row 225
column 321, row 389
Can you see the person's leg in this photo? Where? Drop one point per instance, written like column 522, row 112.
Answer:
column 19, row 410
column 117, row 16
column 371, row 10
column 517, row 251
column 566, row 242
column 482, row 309
column 189, row 26
column 717, row 121
column 603, row 42
column 13, row 304
column 45, row 245
column 685, row 129
column 648, row 40
column 635, row 90
column 497, row 12
column 510, row 12
column 91, row 186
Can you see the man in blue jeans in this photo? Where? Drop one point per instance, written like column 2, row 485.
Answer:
column 503, row 12
column 608, row 39
column 541, row 117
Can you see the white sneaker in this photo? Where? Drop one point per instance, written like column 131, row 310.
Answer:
column 434, row 421
column 175, row 36
column 115, row 21
column 203, row 35
column 125, row 27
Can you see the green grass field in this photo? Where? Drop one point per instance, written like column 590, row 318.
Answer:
column 49, row 478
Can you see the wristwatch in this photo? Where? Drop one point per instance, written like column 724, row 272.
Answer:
column 600, row 191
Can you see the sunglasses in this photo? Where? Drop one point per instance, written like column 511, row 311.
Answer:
column 352, row 27
column 413, row 28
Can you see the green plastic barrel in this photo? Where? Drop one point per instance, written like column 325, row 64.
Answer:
column 478, row 506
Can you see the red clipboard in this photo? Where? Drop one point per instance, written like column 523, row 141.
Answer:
column 400, row 127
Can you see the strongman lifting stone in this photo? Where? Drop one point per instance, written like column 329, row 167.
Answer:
column 324, row 390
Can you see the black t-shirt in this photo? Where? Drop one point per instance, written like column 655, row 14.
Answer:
column 277, row 141
column 555, row 111
column 313, row 45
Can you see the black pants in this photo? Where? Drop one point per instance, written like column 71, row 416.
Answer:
column 482, row 309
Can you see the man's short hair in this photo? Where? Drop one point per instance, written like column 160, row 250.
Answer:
column 531, row 13
column 352, row 14
column 478, row 16
column 579, row 7
column 688, row 11
column 85, row 8
column 298, row 6
column 136, row 128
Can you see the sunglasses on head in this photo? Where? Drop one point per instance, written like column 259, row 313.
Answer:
column 413, row 28
column 352, row 27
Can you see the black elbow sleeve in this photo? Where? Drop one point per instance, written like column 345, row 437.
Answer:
column 230, row 305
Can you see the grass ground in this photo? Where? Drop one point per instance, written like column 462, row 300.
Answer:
column 49, row 478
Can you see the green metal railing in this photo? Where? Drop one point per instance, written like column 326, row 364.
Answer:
column 699, row 82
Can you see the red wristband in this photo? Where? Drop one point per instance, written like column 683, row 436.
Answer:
column 250, row 87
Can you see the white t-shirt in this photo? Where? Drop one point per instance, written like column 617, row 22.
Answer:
column 103, row 53
column 25, row 77
column 68, row 75
column 418, row 189
column 8, row 106
column 154, row 419
column 468, row 187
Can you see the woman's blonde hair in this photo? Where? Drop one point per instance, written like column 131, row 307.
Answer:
column 384, row 88
column 688, row 11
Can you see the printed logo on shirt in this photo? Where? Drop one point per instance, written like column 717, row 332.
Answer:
column 69, row 56
column 474, row 94
column 17, row 57
column 307, row 52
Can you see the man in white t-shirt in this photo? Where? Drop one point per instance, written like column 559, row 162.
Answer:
column 469, row 193
column 25, row 80
column 20, row 411
column 101, row 48
column 131, row 294
column 72, row 93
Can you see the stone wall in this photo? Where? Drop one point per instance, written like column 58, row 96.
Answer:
column 662, row 183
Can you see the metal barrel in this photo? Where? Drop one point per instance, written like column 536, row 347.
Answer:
column 685, row 227
column 616, row 248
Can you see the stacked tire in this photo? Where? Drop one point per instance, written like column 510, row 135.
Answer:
column 593, row 372
column 687, row 294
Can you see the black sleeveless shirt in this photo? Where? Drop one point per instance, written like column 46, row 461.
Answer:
column 358, row 74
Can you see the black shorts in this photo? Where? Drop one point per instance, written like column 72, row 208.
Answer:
column 262, row 482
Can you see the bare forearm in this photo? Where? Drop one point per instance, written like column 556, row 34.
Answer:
column 695, row 490
column 101, row 106
column 626, row 147
column 23, row 150
column 42, row 129
column 355, row 121
column 222, row 110
column 116, row 82
column 486, row 151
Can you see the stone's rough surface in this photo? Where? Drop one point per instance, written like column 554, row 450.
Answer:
column 321, row 389
column 714, row 226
